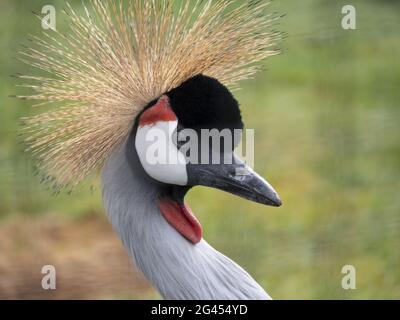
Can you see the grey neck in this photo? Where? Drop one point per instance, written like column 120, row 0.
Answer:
column 176, row 267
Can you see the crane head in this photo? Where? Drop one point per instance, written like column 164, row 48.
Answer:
column 187, row 138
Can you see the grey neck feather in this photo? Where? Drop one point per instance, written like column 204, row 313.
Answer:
column 176, row 267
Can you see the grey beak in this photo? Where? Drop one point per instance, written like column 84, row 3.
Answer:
column 236, row 178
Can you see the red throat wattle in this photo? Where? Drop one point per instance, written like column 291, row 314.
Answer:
column 181, row 217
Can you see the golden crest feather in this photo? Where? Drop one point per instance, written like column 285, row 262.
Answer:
column 120, row 55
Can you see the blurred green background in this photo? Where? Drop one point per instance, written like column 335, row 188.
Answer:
column 326, row 118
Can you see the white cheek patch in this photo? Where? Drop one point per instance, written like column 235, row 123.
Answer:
column 158, row 153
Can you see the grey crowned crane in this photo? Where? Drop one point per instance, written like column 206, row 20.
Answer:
column 125, row 69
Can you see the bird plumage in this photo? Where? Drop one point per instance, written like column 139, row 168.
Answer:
column 120, row 55
column 176, row 267
column 119, row 59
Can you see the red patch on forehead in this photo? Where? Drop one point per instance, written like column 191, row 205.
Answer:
column 161, row 111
